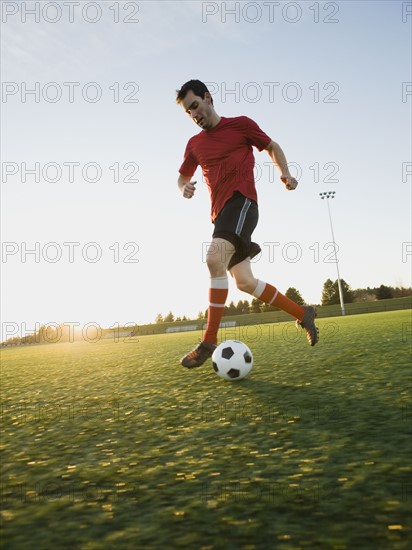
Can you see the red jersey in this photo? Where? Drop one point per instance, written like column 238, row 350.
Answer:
column 226, row 157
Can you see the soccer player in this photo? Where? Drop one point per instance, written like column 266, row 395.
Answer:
column 224, row 151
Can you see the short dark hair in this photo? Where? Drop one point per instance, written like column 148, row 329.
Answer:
column 197, row 87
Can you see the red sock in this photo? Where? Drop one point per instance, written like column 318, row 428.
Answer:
column 217, row 298
column 270, row 295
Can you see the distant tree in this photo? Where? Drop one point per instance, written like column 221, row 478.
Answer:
column 255, row 306
column 41, row 336
column 15, row 341
column 267, row 307
column 401, row 292
column 169, row 318
column 295, row 295
column 50, row 335
column 159, row 318
column 384, row 292
column 28, row 339
column 330, row 292
column 242, row 307
column 346, row 291
column 364, row 295
column 66, row 332
column 231, row 309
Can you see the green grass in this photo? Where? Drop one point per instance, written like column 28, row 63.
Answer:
column 114, row 445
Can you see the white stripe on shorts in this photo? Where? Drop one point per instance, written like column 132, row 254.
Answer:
column 242, row 216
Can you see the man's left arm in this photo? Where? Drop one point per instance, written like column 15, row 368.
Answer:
column 279, row 159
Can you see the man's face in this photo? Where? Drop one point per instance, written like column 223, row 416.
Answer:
column 200, row 110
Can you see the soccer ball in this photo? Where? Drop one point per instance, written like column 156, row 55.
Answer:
column 232, row 360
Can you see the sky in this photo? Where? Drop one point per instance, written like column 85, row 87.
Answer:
column 94, row 229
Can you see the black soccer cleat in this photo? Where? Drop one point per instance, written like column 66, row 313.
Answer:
column 308, row 324
column 198, row 356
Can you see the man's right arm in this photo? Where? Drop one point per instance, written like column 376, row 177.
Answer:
column 278, row 157
column 187, row 188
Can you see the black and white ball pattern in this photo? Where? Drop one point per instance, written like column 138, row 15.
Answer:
column 232, row 360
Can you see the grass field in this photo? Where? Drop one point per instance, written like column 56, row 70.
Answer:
column 114, row 445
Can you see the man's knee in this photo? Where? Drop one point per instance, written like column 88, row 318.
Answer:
column 218, row 257
column 216, row 264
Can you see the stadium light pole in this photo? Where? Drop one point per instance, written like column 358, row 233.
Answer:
column 331, row 195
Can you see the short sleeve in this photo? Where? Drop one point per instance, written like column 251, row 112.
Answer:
column 189, row 164
column 255, row 135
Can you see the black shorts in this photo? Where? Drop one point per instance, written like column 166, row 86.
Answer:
column 235, row 223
